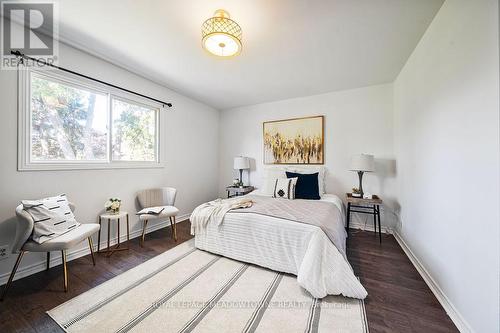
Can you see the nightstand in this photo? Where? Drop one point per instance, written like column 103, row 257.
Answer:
column 112, row 217
column 234, row 191
column 365, row 206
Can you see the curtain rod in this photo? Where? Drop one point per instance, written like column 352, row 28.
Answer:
column 43, row 62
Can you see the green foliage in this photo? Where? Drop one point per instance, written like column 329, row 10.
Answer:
column 59, row 122
column 134, row 132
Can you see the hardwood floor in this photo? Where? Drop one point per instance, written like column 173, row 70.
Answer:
column 398, row 301
column 398, row 298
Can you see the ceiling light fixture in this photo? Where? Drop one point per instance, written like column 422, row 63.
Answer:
column 221, row 36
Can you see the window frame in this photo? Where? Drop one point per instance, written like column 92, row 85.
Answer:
column 25, row 161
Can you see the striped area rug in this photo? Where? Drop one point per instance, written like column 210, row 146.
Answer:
column 188, row 290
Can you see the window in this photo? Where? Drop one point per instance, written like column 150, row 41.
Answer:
column 69, row 123
column 134, row 128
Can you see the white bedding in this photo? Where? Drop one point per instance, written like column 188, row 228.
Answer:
column 282, row 245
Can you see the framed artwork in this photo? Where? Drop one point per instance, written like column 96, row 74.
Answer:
column 294, row 141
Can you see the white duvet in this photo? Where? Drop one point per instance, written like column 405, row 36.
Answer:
column 282, row 245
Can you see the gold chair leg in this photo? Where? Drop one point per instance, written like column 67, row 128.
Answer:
column 99, row 236
column 175, row 230
column 173, row 227
column 11, row 277
column 65, row 268
column 143, row 232
column 48, row 260
column 91, row 245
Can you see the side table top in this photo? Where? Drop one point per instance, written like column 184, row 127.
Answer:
column 375, row 200
column 237, row 189
column 111, row 216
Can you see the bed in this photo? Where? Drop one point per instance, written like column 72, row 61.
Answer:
column 284, row 245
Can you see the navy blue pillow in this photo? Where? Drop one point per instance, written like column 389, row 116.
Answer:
column 307, row 185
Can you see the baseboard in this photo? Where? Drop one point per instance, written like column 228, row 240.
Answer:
column 80, row 252
column 368, row 227
column 450, row 309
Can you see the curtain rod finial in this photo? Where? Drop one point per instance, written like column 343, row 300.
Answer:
column 17, row 53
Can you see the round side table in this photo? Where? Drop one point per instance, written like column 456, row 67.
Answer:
column 113, row 217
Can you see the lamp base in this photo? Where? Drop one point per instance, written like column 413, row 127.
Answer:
column 360, row 176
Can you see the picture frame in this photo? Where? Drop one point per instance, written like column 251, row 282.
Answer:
column 296, row 141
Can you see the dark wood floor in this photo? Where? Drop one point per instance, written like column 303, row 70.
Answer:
column 398, row 298
column 398, row 301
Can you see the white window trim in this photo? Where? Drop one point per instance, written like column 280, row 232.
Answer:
column 25, row 163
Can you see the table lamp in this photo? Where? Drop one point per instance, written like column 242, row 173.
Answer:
column 241, row 163
column 362, row 163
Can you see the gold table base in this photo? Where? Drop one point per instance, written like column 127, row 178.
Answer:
column 110, row 250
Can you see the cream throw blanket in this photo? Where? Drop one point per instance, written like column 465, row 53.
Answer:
column 214, row 212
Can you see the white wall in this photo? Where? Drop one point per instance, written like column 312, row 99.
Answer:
column 356, row 121
column 191, row 137
column 447, row 144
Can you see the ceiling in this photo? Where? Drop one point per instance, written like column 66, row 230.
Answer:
column 291, row 48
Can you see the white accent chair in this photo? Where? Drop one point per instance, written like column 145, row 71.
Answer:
column 23, row 244
column 158, row 197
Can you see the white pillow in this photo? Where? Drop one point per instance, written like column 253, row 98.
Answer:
column 285, row 188
column 52, row 217
column 312, row 169
column 269, row 179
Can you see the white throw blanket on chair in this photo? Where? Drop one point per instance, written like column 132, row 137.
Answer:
column 214, row 212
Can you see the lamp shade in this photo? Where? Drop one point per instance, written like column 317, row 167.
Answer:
column 241, row 163
column 221, row 36
column 362, row 162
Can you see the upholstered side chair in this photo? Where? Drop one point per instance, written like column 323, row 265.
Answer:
column 163, row 197
column 23, row 244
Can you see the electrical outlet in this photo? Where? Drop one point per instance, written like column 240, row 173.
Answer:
column 4, row 252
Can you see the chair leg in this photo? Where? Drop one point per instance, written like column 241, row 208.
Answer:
column 173, row 226
column 143, row 232
column 11, row 277
column 48, row 261
column 175, row 230
column 65, row 268
column 91, row 245
column 99, row 236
